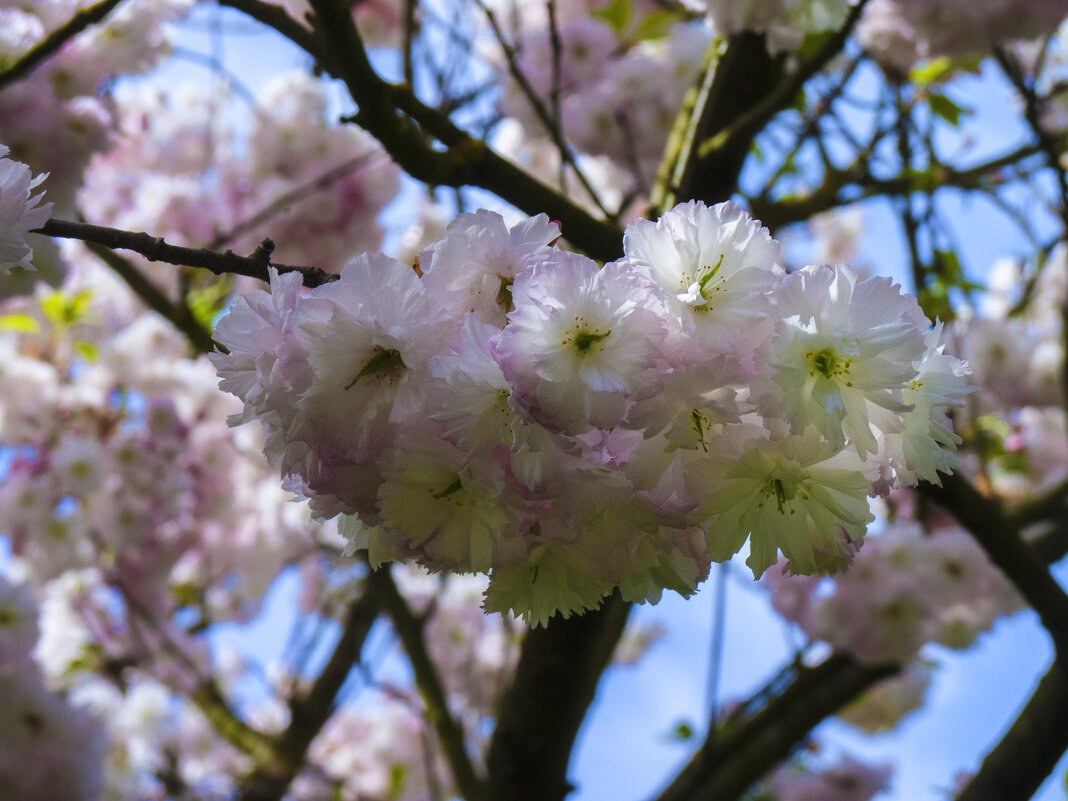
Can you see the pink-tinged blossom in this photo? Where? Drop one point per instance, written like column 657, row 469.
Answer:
column 471, row 269
column 48, row 749
column 454, row 511
column 883, row 623
column 841, row 346
column 258, row 335
column 19, row 212
column 784, row 21
column 18, row 622
column 884, row 706
column 368, row 339
column 714, row 265
column 905, row 588
column 926, row 445
column 848, row 780
column 477, row 413
column 580, row 343
column 783, row 494
column 961, row 29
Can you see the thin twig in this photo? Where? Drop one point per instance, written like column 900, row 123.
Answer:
column 177, row 314
column 287, row 199
column 52, row 43
column 270, row 780
column 550, row 120
column 154, row 248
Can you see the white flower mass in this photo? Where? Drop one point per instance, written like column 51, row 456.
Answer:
column 511, row 408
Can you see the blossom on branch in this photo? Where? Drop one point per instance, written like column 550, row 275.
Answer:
column 511, row 408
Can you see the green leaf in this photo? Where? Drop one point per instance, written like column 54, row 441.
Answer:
column 206, row 303
column 23, row 323
column 398, row 772
column 657, row 25
column 948, row 268
column 616, row 15
column 946, row 108
column 931, row 71
column 63, row 310
column 87, row 350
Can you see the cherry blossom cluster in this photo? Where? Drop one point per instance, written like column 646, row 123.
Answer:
column 883, row 706
column 54, row 118
column 784, row 22
column 123, row 457
column 512, row 408
column 1018, row 355
column 846, row 780
column 179, row 170
column 905, row 588
column 898, row 33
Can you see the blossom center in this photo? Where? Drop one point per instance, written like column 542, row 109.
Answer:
column 828, row 363
column 384, row 362
column 583, row 339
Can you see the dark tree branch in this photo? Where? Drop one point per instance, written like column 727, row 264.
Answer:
column 270, row 779
column 1053, row 503
column 986, row 521
column 731, row 760
column 450, row 733
column 466, row 162
column 52, row 43
column 559, row 667
column 177, row 314
column 857, row 177
column 154, row 248
column 764, row 732
column 275, row 17
column 738, row 80
column 741, row 92
column 1030, row 749
column 747, row 123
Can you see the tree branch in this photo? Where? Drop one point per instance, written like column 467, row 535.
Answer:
column 271, row 778
column 177, row 314
column 731, row 760
column 983, row 517
column 275, row 17
column 827, row 196
column 466, row 162
column 559, row 667
column 737, row 80
column 753, row 742
column 450, row 733
column 1030, row 749
column 51, row 44
column 750, row 121
column 154, row 248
